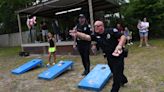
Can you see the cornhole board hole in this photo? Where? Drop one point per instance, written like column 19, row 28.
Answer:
column 55, row 70
column 97, row 78
column 27, row 66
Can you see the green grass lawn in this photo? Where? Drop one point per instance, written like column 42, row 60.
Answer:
column 9, row 51
column 143, row 68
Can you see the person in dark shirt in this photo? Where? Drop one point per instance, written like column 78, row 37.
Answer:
column 120, row 28
column 51, row 49
column 83, row 45
column 56, row 30
column 44, row 29
column 111, row 42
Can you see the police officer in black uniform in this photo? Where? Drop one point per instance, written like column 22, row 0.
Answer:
column 111, row 42
column 83, row 45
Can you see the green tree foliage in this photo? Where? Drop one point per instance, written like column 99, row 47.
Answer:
column 152, row 9
column 8, row 18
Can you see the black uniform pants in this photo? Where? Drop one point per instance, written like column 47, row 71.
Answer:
column 84, row 50
column 116, row 65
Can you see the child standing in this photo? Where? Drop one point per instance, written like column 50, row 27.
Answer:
column 51, row 49
column 128, row 35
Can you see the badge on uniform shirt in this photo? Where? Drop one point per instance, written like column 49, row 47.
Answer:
column 108, row 36
column 115, row 30
column 98, row 37
column 85, row 28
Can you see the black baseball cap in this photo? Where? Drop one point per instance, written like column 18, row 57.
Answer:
column 81, row 16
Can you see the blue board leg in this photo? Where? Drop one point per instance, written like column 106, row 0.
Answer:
column 41, row 64
column 71, row 67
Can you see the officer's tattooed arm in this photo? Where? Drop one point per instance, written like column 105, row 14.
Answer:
column 122, row 41
column 74, row 42
column 118, row 49
column 81, row 35
column 74, row 38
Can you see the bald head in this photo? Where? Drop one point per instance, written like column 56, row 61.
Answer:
column 99, row 23
column 99, row 27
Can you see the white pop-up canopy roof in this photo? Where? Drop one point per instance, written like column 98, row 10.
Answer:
column 49, row 8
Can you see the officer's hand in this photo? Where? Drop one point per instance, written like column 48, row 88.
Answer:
column 74, row 46
column 117, row 51
column 72, row 33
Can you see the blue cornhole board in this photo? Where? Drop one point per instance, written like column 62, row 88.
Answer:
column 55, row 70
column 27, row 66
column 97, row 78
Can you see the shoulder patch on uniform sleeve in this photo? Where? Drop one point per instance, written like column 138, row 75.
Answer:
column 85, row 28
column 115, row 30
column 89, row 25
column 108, row 36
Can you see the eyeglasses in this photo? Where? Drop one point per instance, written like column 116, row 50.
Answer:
column 98, row 25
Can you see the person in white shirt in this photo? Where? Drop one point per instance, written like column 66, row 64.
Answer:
column 143, row 31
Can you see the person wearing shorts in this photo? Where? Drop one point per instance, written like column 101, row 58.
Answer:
column 143, row 31
column 143, row 34
column 128, row 35
column 51, row 49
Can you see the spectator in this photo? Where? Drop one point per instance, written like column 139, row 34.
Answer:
column 128, row 35
column 44, row 29
column 143, row 31
column 56, row 30
column 120, row 28
column 51, row 49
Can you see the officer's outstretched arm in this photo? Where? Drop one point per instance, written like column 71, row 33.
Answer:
column 81, row 35
column 122, row 41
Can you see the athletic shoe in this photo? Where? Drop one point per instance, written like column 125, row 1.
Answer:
column 84, row 73
column 147, row 45
column 140, row 46
column 123, row 83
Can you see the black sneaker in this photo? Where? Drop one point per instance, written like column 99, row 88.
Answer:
column 84, row 73
column 123, row 83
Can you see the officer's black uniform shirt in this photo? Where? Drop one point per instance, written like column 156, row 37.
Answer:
column 84, row 29
column 108, row 40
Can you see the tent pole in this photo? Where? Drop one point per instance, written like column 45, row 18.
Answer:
column 91, row 14
column 20, row 30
